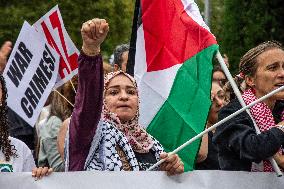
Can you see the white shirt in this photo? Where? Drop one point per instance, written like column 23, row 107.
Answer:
column 24, row 162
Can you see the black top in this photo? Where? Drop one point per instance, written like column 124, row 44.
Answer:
column 238, row 144
column 146, row 160
column 211, row 162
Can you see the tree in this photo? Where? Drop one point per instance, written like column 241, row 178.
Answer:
column 248, row 23
column 118, row 13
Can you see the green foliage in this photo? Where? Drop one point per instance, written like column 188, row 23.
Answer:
column 237, row 24
column 118, row 13
column 248, row 23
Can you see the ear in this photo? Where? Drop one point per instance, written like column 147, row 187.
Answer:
column 250, row 81
column 116, row 67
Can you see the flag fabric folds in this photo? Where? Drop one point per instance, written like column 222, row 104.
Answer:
column 171, row 53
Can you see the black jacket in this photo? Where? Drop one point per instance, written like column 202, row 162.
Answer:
column 237, row 143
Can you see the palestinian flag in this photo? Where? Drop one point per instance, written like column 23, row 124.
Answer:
column 171, row 52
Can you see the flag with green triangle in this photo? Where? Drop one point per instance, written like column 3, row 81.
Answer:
column 171, row 55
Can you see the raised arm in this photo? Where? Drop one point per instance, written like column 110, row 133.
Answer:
column 89, row 97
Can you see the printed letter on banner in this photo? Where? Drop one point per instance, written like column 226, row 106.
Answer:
column 52, row 27
column 30, row 74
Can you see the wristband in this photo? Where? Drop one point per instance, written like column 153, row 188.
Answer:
column 91, row 52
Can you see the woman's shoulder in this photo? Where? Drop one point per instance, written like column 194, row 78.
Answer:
column 233, row 126
column 24, row 160
column 54, row 119
column 233, row 106
column 51, row 128
column 18, row 143
column 20, row 146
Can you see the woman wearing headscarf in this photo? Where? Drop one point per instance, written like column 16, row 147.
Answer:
column 104, row 133
column 239, row 147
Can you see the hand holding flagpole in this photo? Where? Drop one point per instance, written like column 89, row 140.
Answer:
column 219, row 123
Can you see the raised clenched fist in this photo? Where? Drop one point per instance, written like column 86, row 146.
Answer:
column 93, row 34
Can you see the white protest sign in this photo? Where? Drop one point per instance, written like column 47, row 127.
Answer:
column 145, row 179
column 52, row 27
column 30, row 74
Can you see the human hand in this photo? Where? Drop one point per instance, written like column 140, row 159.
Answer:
column 172, row 164
column 4, row 52
column 279, row 158
column 93, row 34
column 280, row 126
column 40, row 172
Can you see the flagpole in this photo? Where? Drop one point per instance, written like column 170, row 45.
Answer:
column 217, row 124
column 207, row 11
column 73, row 86
column 242, row 102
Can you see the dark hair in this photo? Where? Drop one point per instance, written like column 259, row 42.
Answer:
column 5, row 144
column 117, row 53
column 217, row 68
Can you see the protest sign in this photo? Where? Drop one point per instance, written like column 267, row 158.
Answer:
column 30, row 74
column 52, row 27
column 144, row 179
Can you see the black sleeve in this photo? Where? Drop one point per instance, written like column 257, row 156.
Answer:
column 239, row 136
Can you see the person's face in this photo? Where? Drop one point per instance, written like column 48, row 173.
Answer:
column 124, row 60
column 121, row 97
column 218, row 101
column 269, row 74
column 219, row 76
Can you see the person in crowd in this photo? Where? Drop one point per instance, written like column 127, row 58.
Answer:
column 120, row 57
column 239, row 147
column 59, row 111
column 207, row 158
column 15, row 156
column 18, row 127
column 44, row 114
column 219, row 75
column 62, row 137
column 41, row 120
column 104, row 133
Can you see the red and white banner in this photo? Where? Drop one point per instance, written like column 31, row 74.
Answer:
column 52, row 26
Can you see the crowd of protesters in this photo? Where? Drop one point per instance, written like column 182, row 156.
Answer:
column 91, row 122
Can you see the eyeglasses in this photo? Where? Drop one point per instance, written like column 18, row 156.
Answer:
column 220, row 96
column 222, row 82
